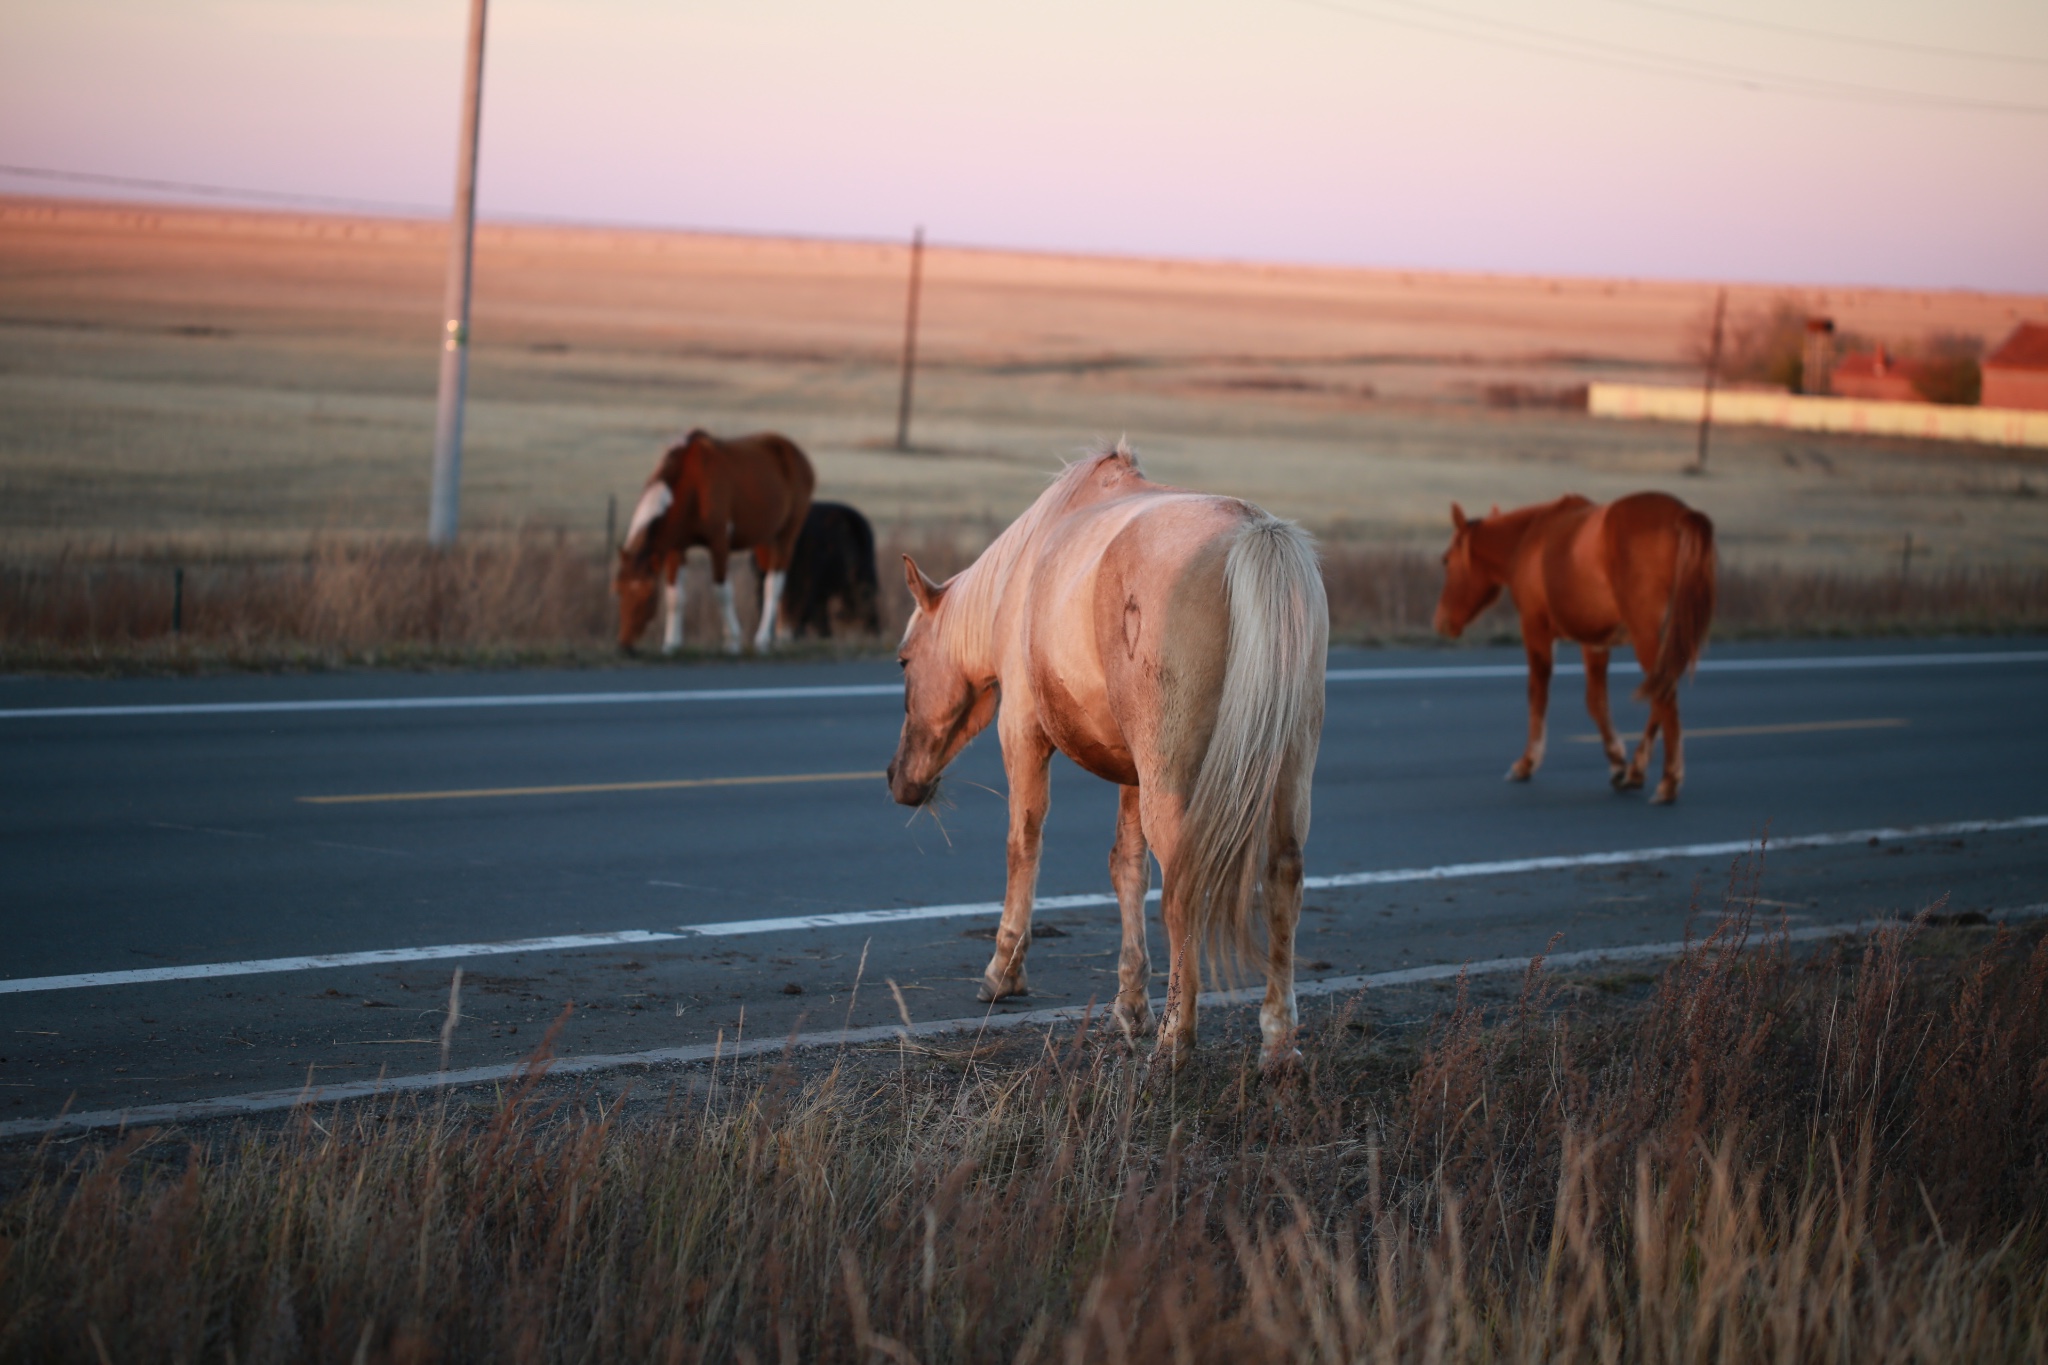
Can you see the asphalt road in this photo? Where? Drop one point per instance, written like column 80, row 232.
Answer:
column 165, row 840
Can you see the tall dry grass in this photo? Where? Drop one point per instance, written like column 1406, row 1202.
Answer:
column 540, row 594
column 1842, row 1158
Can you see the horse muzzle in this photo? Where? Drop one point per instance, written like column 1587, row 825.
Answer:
column 905, row 791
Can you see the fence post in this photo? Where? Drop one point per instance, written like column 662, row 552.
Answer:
column 910, row 339
column 178, row 600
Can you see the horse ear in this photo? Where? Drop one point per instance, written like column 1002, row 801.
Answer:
column 1457, row 516
column 926, row 592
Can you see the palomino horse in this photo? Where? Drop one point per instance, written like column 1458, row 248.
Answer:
column 1168, row 641
column 748, row 493
column 1639, row 569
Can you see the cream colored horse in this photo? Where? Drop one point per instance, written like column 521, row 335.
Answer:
column 1172, row 643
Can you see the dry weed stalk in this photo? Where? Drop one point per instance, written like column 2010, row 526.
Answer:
column 541, row 593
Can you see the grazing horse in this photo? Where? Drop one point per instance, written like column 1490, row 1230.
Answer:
column 1639, row 569
column 1172, row 643
column 834, row 560
column 748, row 493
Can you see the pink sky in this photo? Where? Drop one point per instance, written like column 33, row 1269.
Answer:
column 1406, row 133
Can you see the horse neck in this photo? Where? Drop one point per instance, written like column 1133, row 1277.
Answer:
column 966, row 619
column 1496, row 538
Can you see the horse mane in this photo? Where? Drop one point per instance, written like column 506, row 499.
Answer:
column 976, row 592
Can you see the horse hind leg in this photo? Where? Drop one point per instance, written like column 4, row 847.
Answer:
column 771, row 601
column 1130, row 872
column 1632, row 776
column 1279, row 1022
column 1674, row 752
column 771, row 611
column 1162, row 819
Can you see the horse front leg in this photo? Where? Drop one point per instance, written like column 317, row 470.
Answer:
column 1597, row 706
column 1027, row 759
column 672, row 608
column 1130, row 872
column 1538, row 645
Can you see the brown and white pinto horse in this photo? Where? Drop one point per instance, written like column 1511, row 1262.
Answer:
column 1639, row 569
column 747, row 493
column 1172, row 643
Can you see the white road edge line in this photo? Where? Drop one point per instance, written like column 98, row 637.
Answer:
column 264, row 1101
column 1416, row 674
column 855, row 918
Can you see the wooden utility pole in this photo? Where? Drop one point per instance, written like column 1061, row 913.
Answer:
column 445, row 505
column 910, row 339
column 1699, row 459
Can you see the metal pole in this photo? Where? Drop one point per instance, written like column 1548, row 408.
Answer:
column 442, row 513
column 1699, row 461
column 910, row 339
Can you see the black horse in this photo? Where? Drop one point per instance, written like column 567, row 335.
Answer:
column 834, row 560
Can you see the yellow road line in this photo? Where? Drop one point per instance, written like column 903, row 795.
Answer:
column 582, row 788
column 1804, row 727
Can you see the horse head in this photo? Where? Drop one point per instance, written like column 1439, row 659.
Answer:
column 943, row 707
column 1469, row 588
column 637, row 580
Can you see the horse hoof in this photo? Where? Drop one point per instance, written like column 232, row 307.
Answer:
column 1279, row 1065
column 670, row 651
column 1135, row 1022
column 988, row 992
column 1521, row 772
column 1666, row 794
column 1628, row 782
column 1168, row 1059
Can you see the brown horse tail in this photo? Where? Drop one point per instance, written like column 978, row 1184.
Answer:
column 1691, row 609
column 1268, row 719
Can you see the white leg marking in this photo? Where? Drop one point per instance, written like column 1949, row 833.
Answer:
column 672, row 602
column 731, row 618
column 771, row 611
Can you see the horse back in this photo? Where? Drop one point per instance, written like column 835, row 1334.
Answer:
column 1127, row 629
column 760, row 485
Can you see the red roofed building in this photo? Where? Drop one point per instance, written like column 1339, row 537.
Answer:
column 2016, row 374
column 1875, row 374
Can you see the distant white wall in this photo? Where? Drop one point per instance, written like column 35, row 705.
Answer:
column 1855, row 416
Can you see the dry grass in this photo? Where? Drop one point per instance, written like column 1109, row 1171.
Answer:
column 1760, row 1161
column 543, row 596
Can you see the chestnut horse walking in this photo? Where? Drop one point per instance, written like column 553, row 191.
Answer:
column 1172, row 643
column 747, row 493
column 1639, row 569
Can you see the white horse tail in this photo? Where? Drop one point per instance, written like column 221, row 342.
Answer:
column 1268, row 719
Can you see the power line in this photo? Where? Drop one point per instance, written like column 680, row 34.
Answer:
column 214, row 191
column 1595, row 52
column 1824, row 35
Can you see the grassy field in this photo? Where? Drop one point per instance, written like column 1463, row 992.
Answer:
column 243, row 382
column 1752, row 1156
